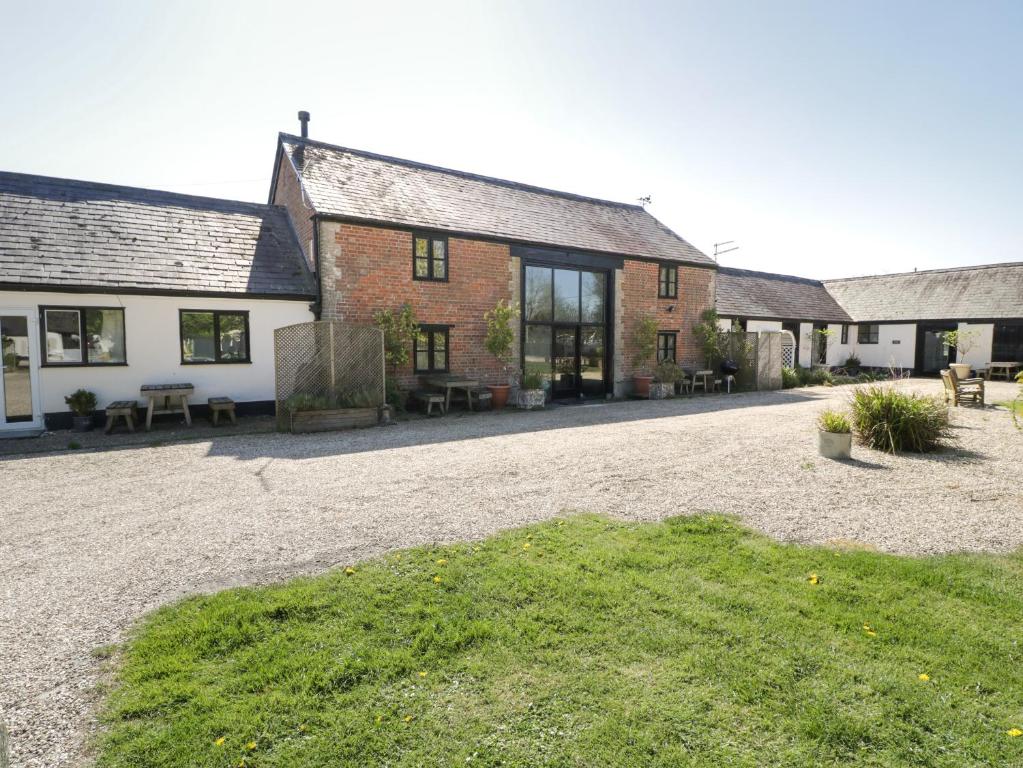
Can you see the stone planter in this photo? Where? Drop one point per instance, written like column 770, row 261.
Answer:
column 834, row 445
column 641, row 385
column 532, row 399
column 661, row 390
column 962, row 370
column 334, row 418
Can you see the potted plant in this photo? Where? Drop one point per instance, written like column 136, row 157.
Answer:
column 666, row 376
column 349, row 409
column 852, row 364
column 644, row 343
column 962, row 342
column 834, row 436
column 82, row 403
column 532, row 395
column 498, row 342
column 9, row 355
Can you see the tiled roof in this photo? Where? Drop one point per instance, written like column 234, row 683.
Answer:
column 744, row 293
column 78, row 235
column 375, row 188
column 964, row 293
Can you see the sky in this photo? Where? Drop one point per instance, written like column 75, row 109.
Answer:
column 827, row 139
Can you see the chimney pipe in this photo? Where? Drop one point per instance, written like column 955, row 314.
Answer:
column 303, row 117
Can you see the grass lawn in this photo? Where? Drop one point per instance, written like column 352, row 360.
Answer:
column 588, row 642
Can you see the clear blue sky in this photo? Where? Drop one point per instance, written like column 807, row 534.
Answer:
column 827, row 138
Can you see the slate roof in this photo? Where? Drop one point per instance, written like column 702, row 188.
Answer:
column 964, row 293
column 765, row 295
column 386, row 190
column 77, row 235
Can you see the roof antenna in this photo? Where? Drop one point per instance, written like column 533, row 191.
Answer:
column 645, row 200
column 719, row 251
column 303, row 117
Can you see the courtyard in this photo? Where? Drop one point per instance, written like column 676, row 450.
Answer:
column 91, row 541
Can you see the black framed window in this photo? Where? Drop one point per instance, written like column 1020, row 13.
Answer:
column 211, row 336
column 429, row 257
column 666, row 346
column 1007, row 341
column 83, row 335
column 430, row 349
column 667, row 282
column 845, row 333
column 867, row 334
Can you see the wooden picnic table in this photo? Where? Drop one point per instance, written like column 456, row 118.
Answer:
column 1006, row 369
column 166, row 393
column 708, row 379
column 450, row 381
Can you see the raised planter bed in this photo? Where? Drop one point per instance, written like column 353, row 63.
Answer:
column 335, row 418
column 661, row 390
column 532, row 399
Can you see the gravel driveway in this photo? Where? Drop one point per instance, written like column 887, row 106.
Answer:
column 91, row 541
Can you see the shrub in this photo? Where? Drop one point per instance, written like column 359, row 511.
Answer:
column 644, row 342
column 833, row 421
column 811, row 377
column 852, row 362
column 500, row 334
column 789, row 378
column 532, row 380
column 668, row 373
column 82, row 402
column 889, row 420
column 304, row 401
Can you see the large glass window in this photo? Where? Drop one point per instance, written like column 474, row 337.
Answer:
column 566, row 296
column 539, row 294
column 214, row 336
column 83, row 335
column 594, row 289
column 430, row 349
column 429, row 257
column 537, row 352
column 1007, row 343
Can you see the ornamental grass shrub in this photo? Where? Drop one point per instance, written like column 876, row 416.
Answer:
column 886, row 419
column 834, row 422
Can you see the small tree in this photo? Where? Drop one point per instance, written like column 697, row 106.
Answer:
column 500, row 334
column 712, row 340
column 399, row 329
column 962, row 341
column 644, row 342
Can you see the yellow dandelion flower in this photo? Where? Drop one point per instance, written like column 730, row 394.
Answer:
column 220, row 742
column 529, row 535
column 250, row 746
column 303, row 728
column 866, row 627
column 814, row 579
column 422, row 674
column 379, row 719
column 923, row 677
column 349, row 570
column 871, row 633
column 526, row 545
column 242, row 763
column 436, row 579
column 1014, row 733
column 442, row 561
column 408, row 718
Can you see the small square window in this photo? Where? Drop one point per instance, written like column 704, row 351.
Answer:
column 666, row 341
column 867, row 334
column 430, row 349
column 429, row 257
column 667, row 282
column 211, row 336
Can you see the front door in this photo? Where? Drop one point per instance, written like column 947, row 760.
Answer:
column 932, row 353
column 19, row 385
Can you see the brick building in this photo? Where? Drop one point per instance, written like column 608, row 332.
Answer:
column 380, row 231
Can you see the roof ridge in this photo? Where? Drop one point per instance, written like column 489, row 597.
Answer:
column 81, row 183
column 927, row 271
column 771, row 275
column 283, row 136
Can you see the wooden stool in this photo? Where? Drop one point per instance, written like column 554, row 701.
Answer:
column 431, row 399
column 479, row 395
column 123, row 408
column 218, row 404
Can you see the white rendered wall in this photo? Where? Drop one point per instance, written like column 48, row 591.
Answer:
column 896, row 346
column 805, row 342
column 763, row 325
column 153, row 348
column 982, row 337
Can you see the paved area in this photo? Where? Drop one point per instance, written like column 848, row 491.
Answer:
column 91, row 540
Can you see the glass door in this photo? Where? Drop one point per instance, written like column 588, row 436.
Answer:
column 19, row 383
column 932, row 353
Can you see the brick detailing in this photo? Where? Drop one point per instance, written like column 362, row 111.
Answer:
column 370, row 269
column 639, row 298
column 289, row 194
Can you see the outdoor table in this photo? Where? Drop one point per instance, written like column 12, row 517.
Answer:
column 1006, row 369
column 707, row 377
column 166, row 393
column 448, row 382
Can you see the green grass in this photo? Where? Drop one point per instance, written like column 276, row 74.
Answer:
column 588, row 642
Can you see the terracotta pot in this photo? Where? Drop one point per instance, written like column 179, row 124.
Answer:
column 498, row 395
column 835, row 445
column 641, row 385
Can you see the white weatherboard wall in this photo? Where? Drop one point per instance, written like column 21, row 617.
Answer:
column 153, row 348
column 896, row 346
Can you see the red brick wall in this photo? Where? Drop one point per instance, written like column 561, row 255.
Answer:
column 372, row 270
column 639, row 298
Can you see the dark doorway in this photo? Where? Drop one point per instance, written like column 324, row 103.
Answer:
column 820, row 344
column 564, row 318
column 932, row 353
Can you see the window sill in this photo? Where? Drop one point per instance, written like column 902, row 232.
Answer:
column 83, row 365
column 216, row 362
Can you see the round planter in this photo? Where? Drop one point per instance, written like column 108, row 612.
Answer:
column 498, row 395
column 81, row 423
column 641, row 385
column 660, row 390
column 834, row 445
column 532, row 399
column 962, row 370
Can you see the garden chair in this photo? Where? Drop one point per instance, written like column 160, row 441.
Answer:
column 962, row 391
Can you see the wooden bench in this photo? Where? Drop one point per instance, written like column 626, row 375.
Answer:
column 479, row 395
column 122, row 408
column 221, row 404
column 430, row 399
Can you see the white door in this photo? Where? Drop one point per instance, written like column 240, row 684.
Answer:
column 20, row 404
